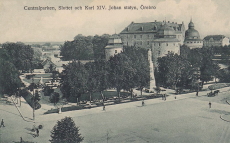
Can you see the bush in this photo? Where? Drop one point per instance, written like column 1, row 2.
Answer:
column 65, row 131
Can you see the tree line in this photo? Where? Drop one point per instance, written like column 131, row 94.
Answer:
column 84, row 48
column 186, row 69
column 126, row 71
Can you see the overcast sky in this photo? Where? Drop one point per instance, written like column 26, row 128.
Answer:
column 17, row 24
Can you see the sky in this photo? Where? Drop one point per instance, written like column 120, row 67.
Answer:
column 17, row 24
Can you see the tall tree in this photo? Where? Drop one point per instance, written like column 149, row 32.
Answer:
column 65, row 131
column 74, row 80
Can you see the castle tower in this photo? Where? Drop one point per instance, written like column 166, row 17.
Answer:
column 114, row 46
column 152, row 83
column 192, row 37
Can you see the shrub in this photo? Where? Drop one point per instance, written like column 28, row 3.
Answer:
column 65, row 131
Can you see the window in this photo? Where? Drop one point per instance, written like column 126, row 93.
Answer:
column 167, row 44
column 148, row 36
column 140, row 36
column 140, row 42
column 159, row 52
column 115, row 51
column 148, row 43
column 135, row 36
column 159, row 44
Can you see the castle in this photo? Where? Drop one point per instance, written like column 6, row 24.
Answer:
column 161, row 37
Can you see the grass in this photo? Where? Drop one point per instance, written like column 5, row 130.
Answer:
column 218, row 86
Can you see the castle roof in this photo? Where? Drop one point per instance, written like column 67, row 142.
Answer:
column 191, row 33
column 150, row 27
column 214, row 37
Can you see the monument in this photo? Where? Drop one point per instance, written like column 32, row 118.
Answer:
column 152, row 82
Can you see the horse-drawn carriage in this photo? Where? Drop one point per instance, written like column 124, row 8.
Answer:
column 212, row 94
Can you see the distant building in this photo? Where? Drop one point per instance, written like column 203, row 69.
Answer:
column 143, row 34
column 216, row 40
column 192, row 37
column 114, row 46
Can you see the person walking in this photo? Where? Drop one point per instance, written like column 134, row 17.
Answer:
column 2, row 123
column 103, row 107
column 210, row 104
column 21, row 140
column 143, row 103
column 37, row 131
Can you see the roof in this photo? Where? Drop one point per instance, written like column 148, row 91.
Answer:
column 47, row 61
column 214, row 37
column 149, row 27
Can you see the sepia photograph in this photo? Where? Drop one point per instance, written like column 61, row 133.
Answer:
column 114, row 71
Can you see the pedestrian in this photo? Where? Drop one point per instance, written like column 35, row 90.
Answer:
column 210, row 104
column 162, row 96
column 143, row 103
column 2, row 123
column 165, row 96
column 20, row 139
column 37, row 131
column 103, row 107
column 175, row 97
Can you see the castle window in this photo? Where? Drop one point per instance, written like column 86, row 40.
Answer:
column 159, row 52
column 140, row 36
column 135, row 36
column 115, row 51
column 148, row 43
column 167, row 44
column 159, row 44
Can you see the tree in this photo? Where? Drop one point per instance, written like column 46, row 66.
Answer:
column 81, row 48
column 9, row 77
column 173, row 70
column 92, row 85
column 21, row 55
column 121, row 72
column 65, row 131
column 74, row 80
column 54, row 98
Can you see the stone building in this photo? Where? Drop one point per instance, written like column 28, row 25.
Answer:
column 114, row 46
column 192, row 37
column 166, row 41
column 143, row 34
column 216, row 40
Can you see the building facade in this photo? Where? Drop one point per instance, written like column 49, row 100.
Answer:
column 192, row 37
column 114, row 46
column 143, row 34
column 216, row 41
